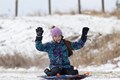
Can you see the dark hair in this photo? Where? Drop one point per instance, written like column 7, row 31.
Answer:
column 69, row 47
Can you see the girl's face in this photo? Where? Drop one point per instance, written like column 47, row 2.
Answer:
column 57, row 38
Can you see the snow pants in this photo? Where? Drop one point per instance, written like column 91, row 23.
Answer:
column 61, row 71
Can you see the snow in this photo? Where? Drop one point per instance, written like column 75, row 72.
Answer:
column 20, row 31
column 34, row 73
column 102, row 68
column 32, row 76
column 18, row 34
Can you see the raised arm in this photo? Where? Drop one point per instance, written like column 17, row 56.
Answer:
column 38, row 41
column 80, row 43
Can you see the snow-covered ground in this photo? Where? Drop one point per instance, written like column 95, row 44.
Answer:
column 34, row 75
column 18, row 34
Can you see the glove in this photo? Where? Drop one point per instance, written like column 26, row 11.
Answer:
column 85, row 31
column 39, row 31
column 84, row 34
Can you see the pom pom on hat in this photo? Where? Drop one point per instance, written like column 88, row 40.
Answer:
column 55, row 31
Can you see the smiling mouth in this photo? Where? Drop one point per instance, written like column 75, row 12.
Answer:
column 57, row 41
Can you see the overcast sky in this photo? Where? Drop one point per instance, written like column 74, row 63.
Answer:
column 7, row 7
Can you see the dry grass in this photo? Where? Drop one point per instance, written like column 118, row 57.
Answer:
column 36, row 13
column 93, row 13
column 72, row 12
column 102, row 14
column 87, row 12
column 101, row 50
column 24, row 61
column 116, row 13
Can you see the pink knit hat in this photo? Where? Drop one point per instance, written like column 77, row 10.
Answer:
column 55, row 31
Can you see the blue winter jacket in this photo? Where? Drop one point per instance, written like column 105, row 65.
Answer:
column 58, row 52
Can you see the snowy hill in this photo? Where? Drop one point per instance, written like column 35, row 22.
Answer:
column 18, row 34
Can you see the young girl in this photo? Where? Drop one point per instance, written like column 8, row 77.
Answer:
column 58, row 51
